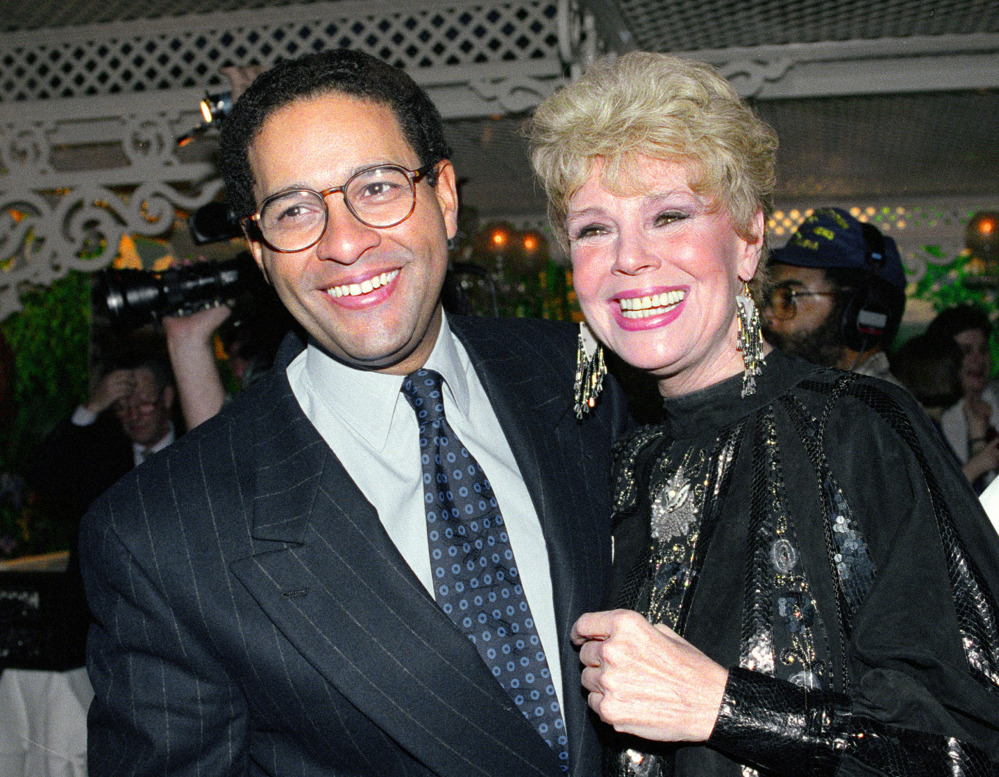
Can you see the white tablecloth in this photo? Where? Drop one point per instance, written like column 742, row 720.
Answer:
column 43, row 723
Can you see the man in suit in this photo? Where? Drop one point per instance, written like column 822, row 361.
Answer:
column 263, row 590
column 126, row 418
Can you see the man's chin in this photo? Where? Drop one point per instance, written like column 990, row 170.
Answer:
column 808, row 347
column 144, row 438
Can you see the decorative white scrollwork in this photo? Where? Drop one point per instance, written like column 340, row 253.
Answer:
column 26, row 148
column 149, row 139
column 749, row 76
column 515, row 95
column 80, row 230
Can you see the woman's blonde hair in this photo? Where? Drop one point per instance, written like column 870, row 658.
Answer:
column 659, row 106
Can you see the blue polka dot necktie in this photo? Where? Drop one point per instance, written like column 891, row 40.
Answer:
column 475, row 574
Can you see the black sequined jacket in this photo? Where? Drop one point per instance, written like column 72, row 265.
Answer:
column 819, row 539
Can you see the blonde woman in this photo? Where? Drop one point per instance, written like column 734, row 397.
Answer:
column 806, row 583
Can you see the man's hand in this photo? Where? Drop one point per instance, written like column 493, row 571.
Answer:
column 240, row 77
column 646, row 680
column 116, row 385
column 195, row 329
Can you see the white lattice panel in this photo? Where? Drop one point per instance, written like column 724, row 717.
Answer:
column 188, row 52
column 679, row 25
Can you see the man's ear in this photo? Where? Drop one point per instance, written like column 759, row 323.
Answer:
column 257, row 252
column 447, row 196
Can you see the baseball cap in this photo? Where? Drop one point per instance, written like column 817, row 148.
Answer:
column 831, row 237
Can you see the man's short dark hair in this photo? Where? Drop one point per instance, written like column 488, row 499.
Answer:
column 337, row 71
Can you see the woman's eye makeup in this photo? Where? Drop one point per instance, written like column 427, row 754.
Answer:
column 585, row 231
column 668, row 217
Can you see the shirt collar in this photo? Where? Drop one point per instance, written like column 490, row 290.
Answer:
column 453, row 365
column 143, row 452
column 368, row 401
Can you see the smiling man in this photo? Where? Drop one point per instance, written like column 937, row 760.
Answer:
column 320, row 580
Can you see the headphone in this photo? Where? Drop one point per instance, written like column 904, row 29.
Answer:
column 867, row 312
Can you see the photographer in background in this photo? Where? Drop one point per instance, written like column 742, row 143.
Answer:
column 192, row 356
column 126, row 419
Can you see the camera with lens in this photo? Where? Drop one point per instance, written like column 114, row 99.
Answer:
column 132, row 298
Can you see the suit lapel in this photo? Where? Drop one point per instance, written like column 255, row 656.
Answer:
column 542, row 432
column 340, row 591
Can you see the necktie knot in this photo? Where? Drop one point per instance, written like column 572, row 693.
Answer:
column 423, row 389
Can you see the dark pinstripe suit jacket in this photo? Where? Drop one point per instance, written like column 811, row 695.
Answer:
column 253, row 617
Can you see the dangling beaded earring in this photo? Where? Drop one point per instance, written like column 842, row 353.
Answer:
column 590, row 370
column 750, row 340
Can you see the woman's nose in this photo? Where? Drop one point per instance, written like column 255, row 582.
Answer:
column 633, row 255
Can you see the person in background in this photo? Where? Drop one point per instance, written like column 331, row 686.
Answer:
column 970, row 424
column 836, row 294
column 126, row 419
column 308, row 583
column 805, row 581
column 930, row 367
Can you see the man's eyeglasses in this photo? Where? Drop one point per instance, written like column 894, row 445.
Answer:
column 380, row 196
column 780, row 300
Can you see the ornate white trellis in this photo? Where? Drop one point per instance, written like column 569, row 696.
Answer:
column 89, row 115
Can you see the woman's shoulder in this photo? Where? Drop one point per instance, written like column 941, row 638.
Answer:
column 836, row 390
column 637, row 440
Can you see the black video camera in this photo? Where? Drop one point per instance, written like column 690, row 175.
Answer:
column 132, row 298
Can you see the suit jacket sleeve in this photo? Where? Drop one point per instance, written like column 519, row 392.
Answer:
column 165, row 705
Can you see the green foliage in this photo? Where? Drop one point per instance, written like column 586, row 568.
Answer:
column 50, row 343
column 50, row 340
column 961, row 282
column 955, row 283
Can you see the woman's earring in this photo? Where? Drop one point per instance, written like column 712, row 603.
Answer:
column 590, row 370
column 750, row 340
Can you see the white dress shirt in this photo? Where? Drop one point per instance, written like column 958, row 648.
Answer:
column 83, row 417
column 372, row 430
column 990, row 501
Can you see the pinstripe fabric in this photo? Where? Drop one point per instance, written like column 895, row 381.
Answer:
column 255, row 618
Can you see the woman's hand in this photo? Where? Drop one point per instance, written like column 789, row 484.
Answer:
column 984, row 458
column 646, row 680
